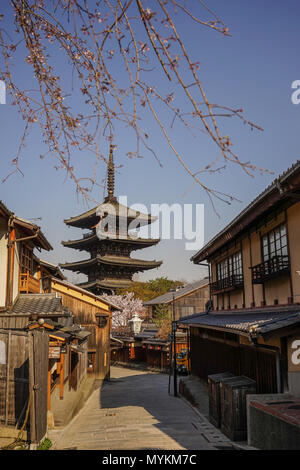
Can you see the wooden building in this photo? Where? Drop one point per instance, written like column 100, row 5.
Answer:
column 34, row 295
column 146, row 349
column 183, row 301
column 19, row 267
column 94, row 314
column 23, row 272
column 252, row 325
column 109, row 243
column 63, row 362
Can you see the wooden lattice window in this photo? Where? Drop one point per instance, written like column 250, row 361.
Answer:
column 230, row 266
column 26, row 260
column 274, row 243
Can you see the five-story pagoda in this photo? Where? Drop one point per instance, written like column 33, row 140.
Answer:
column 109, row 243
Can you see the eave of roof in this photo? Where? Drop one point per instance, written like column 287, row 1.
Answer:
column 106, row 284
column 94, row 238
column 52, row 268
column 41, row 240
column 224, row 234
column 4, row 211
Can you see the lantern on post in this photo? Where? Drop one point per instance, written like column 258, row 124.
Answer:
column 135, row 324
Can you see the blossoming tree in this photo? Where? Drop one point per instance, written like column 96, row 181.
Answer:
column 129, row 306
column 125, row 63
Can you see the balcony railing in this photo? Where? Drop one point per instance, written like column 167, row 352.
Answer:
column 270, row 269
column 29, row 284
column 232, row 282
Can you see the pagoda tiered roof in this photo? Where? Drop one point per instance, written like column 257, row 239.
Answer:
column 91, row 238
column 112, row 267
column 106, row 284
column 112, row 261
column 91, row 217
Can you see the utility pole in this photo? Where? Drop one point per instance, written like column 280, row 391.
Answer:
column 170, row 362
column 174, row 327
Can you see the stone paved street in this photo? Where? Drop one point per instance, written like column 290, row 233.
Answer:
column 135, row 411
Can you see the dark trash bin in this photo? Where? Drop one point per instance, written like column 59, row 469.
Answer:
column 233, row 392
column 214, row 396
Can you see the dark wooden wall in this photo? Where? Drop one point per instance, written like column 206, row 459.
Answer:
column 23, row 377
column 212, row 357
column 148, row 357
column 123, row 355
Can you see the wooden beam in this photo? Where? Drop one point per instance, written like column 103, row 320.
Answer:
column 32, row 359
column 58, row 338
column 7, row 376
column 46, row 325
column 61, row 389
column 49, row 388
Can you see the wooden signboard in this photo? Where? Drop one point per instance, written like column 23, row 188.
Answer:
column 54, row 352
column 294, row 353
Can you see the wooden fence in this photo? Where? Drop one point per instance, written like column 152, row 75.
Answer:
column 23, row 379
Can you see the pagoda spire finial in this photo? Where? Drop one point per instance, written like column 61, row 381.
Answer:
column 110, row 176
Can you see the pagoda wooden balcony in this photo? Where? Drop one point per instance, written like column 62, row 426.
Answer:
column 235, row 281
column 28, row 284
column 277, row 266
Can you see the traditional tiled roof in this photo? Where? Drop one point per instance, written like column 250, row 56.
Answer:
column 38, row 304
column 62, row 331
column 180, row 292
column 53, row 268
column 147, row 333
column 224, row 236
column 255, row 323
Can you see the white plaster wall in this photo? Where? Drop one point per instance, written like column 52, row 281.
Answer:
column 3, row 261
column 16, row 271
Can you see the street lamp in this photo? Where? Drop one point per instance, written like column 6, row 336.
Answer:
column 135, row 324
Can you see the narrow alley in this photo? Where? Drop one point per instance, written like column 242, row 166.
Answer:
column 134, row 411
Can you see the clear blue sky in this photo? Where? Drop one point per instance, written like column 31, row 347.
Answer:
column 253, row 69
